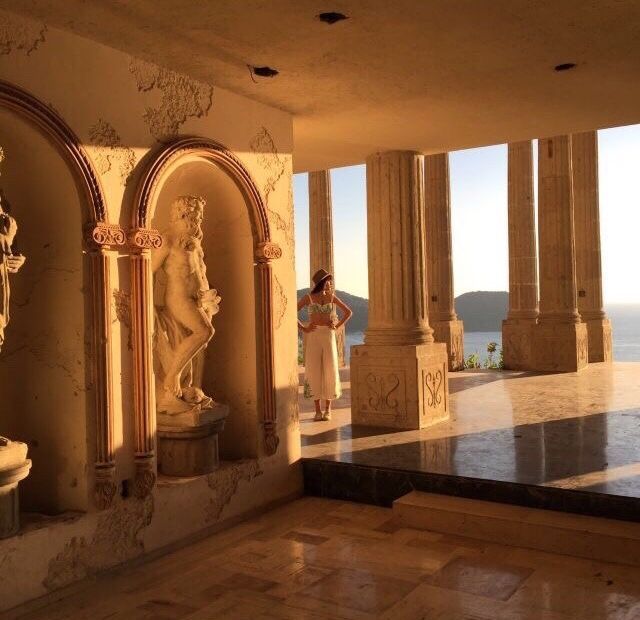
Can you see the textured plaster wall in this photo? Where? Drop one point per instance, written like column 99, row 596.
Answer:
column 121, row 107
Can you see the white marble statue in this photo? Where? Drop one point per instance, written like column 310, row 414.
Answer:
column 10, row 263
column 184, row 306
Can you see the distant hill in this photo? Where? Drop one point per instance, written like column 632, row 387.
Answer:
column 481, row 311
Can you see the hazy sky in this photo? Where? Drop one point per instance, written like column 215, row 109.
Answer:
column 479, row 219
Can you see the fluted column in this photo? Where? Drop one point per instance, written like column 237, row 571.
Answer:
column 517, row 329
column 142, row 242
column 321, row 235
column 399, row 376
column 443, row 319
column 561, row 338
column 587, row 230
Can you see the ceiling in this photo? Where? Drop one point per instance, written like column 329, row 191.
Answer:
column 428, row 75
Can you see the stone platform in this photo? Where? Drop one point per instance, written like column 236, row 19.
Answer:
column 567, row 442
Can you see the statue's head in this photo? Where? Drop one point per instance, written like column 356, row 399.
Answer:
column 186, row 213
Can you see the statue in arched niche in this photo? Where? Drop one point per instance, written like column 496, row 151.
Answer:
column 184, row 307
column 10, row 263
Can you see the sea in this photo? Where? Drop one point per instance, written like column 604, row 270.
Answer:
column 625, row 323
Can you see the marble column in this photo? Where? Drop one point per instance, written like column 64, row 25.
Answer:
column 399, row 375
column 14, row 467
column 518, row 328
column 443, row 319
column 321, row 235
column 587, row 227
column 561, row 342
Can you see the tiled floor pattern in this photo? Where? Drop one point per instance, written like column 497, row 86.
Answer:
column 321, row 559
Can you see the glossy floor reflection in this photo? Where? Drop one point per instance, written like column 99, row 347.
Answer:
column 576, row 432
column 319, row 559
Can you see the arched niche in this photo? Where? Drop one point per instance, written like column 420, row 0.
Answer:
column 238, row 251
column 55, row 371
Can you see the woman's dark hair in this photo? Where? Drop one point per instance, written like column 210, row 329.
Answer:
column 318, row 287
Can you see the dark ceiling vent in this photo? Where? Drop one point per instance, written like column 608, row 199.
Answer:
column 565, row 66
column 264, row 71
column 332, row 17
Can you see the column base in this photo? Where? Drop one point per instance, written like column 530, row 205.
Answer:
column 399, row 386
column 451, row 333
column 560, row 347
column 600, row 340
column 517, row 343
column 188, row 442
column 14, row 467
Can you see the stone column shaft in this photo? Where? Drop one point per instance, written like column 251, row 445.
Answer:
column 321, row 235
column 587, row 230
column 517, row 329
column 442, row 314
column 561, row 337
column 399, row 376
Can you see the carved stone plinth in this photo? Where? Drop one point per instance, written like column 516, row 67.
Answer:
column 14, row 467
column 517, row 343
column 600, row 340
column 188, row 442
column 451, row 333
column 560, row 347
column 399, row 386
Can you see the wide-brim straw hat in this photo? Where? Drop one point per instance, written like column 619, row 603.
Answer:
column 320, row 276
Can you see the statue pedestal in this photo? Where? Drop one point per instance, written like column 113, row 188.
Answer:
column 14, row 467
column 188, row 441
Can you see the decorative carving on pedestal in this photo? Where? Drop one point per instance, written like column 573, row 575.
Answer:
column 184, row 308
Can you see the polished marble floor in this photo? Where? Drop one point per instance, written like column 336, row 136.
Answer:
column 538, row 435
column 319, row 559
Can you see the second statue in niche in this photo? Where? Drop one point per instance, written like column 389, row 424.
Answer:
column 184, row 307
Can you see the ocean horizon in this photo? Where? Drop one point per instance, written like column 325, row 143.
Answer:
column 625, row 323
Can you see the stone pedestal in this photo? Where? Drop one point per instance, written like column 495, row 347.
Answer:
column 447, row 328
column 188, row 442
column 600, row 339
column 517, row 343
column 403, row 387
column 14, row 467
column 451, row 333
column 561, row 347
column 561, row 341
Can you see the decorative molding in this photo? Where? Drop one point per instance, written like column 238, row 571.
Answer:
column 145, row 239
column 105, row 488
column 268, row 251
column 101, row 235
column 142, row 237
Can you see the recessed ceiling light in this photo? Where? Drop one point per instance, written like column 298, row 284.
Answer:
column 264, row 71
column 565, row 66
column 331, row 17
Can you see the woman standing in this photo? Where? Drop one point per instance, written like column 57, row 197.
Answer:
column 321, row 353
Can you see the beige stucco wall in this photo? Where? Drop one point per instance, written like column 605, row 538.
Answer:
column 119, row 107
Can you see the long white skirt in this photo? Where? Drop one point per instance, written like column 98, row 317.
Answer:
column 321, row 364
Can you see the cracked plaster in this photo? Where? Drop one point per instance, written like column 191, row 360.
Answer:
column 224, row 483
column 181, row 97
column 110, row 151
column 19, row 34
column 116, row 539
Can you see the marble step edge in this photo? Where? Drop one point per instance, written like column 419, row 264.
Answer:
column 593, row 538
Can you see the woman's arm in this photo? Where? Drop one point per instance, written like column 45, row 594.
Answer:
column 347, row 313
column 303, row 302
